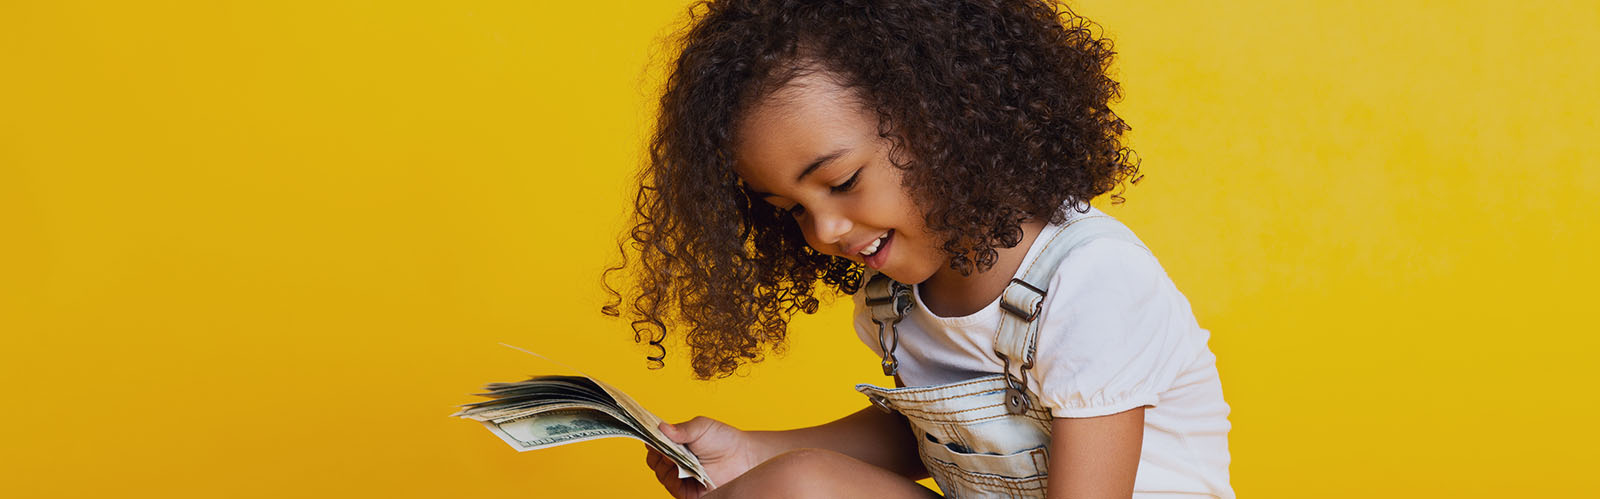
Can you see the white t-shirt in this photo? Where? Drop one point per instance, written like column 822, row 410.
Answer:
column 1116, row 335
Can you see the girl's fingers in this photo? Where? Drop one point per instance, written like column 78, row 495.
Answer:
column 674, row 486
column 669, row 480
column 666, row 473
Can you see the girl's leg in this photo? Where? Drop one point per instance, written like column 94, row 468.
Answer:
column 819, row 473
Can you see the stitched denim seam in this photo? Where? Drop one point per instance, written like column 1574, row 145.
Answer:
column 918, row 390
column 991, row 479
column 1038, row 415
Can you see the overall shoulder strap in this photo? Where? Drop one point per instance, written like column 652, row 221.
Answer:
column 1023, row 299
column 887, row 300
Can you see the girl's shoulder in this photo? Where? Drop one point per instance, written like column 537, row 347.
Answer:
column 1090, row 238
column 1098, row 255
column 1115, row 332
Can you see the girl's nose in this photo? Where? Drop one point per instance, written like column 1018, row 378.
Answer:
column 829, row 229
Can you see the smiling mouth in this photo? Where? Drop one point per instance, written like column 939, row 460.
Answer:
column 877, row 253
column 873, row 248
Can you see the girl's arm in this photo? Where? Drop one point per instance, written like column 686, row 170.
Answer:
column 878, row 437
column 871, row 435
column 1095, row 457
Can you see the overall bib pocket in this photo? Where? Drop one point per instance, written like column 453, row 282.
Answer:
column 1027, row 463
column 1020, row 474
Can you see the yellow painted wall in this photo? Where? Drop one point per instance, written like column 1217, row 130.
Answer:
column 260, row 249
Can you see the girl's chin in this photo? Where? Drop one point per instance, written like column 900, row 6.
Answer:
column 900, row 275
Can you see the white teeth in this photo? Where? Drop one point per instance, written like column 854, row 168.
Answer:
column 873, row 249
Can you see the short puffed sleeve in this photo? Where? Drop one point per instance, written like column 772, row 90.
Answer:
column 1114, row 334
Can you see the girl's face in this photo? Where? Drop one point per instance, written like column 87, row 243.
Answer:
column 812, row 150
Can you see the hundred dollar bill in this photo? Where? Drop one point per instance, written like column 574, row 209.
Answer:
column 546, row 411
column 541, row 393
column 562, row 426
column 506, row 416
column 568, row 425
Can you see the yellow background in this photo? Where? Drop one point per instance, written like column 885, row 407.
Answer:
column 259, row 249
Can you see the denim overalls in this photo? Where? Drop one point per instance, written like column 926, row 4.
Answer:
column 986, row 436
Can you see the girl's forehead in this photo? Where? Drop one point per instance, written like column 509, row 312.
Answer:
column 809, row 117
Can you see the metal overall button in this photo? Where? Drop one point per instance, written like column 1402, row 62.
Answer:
column 880, row 401
column 1016, row 397
column 1016, row 402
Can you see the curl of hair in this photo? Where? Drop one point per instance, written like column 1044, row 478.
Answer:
column 997, row 109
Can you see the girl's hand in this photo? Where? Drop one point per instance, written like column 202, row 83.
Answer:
column 726, row 452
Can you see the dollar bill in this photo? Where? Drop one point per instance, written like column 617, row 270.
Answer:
column 547, row 411
column 558, row 427
column 502, row 416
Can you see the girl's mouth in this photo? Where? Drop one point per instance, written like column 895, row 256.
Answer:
column 881, row 255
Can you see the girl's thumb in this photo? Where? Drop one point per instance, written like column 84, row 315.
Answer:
column 671, row 432
column 688, row 431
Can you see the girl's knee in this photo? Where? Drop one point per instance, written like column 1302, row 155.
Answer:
column 802, row 473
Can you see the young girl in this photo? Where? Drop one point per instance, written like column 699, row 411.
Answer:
column 935, row 159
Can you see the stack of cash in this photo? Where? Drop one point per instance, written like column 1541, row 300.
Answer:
column 546, row 411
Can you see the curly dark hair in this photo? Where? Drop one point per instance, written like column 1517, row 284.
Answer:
column 998, row 109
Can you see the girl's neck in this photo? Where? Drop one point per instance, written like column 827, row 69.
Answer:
column 950, row 294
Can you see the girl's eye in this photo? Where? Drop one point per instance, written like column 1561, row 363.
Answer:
column 796, row 211
column 848, row 183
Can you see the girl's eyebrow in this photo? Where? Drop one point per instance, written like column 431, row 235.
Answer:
column 820, row 162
